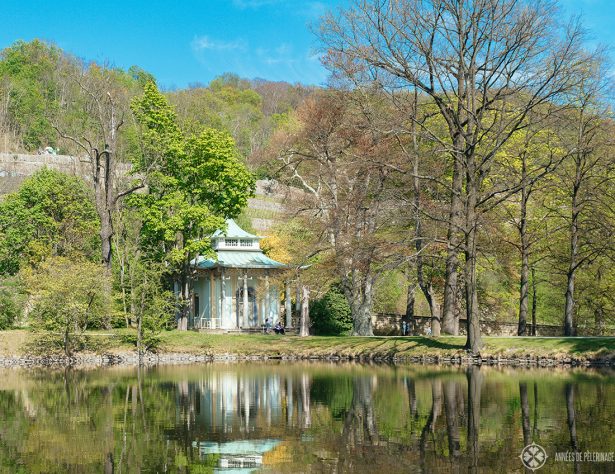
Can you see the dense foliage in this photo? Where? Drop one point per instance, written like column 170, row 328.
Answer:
column 330, row 315
column 52, row 214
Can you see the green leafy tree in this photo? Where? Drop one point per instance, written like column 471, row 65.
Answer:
column 51, row 214
column 9, row 311
column 194, row 183
column 67, row 297
column 152, row 305
column 30, row 89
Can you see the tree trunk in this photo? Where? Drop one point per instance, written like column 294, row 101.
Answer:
column 435, row 313
column 106, row 236
column 361, row 308
column 574, row 252
column 426, row 288
column 474, row 341
column 140, row 350
column 66, row 342
column 569, row 309
column 109, row 464
column 409, row 319
column 452, row 260
column 103, row 169
column 599, row 320
column 525, row 258
column 305, row 313
column 534, row 301
column 182, row 303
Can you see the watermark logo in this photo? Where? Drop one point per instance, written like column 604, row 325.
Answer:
column 533, row 456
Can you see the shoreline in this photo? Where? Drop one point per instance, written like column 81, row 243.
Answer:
column 129, row 359
column 19, row 348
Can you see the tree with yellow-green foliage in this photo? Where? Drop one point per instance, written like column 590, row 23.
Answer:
column 67, row 297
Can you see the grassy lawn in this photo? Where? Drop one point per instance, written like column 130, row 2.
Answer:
column 13, row 343
column 384, row 346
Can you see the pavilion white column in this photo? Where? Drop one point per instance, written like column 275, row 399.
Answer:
column 212, row 297
column 304, row 329
column 222, row 297
column 246, row 322
column 267, row 297
column 298, row 298
column 288, row 308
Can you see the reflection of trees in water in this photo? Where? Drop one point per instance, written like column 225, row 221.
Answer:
column 429, row 428
column 452, row 426
column 354, row 419
column 525, row 413
column 571, row 421
column 359, row 430
column 475, row 378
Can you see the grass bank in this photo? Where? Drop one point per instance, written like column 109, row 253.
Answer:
column 19, row 343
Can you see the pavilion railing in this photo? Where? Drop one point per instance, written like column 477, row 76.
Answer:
column 207, row 323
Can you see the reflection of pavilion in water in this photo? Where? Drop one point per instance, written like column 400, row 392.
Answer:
column 241, row 417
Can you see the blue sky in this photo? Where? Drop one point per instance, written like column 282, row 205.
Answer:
column 188, row 41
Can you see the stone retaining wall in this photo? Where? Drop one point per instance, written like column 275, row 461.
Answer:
column 15, row 167
column 268, row 202
column 390, row 324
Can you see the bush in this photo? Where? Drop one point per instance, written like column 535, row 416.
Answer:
column 9, row 312
column 331, row 315
column 68, row 297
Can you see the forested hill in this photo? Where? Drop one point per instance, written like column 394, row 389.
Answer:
column 38, row 80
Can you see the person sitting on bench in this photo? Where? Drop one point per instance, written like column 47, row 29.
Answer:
column 278, row 328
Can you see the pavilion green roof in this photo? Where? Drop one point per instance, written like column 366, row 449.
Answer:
column 239, row 259
column 233, row 231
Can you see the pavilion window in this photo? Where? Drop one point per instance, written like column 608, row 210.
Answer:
column 246, row 243
column 231, row 242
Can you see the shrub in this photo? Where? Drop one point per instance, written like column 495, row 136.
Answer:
column 9, row 311
column 68, row 297
column 330, row 315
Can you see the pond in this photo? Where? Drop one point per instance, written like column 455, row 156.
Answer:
column 292, row 418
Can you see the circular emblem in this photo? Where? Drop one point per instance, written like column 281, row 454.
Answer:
column 533, row 456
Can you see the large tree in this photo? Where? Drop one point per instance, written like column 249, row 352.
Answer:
column 194, row 183
column 587, row 178
column 485, row 65
column 334, row 153
column 93, row 113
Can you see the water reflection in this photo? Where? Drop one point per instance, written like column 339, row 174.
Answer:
column 300, row 418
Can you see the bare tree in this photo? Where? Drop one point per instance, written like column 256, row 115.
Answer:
column 335, row 155
column 97, row 109
column 485, row 65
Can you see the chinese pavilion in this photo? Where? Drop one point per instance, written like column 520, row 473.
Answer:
column 238, row 289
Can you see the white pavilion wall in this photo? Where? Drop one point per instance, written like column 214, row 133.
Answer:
column 224, row 304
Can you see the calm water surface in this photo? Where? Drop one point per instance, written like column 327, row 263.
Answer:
column 240, row 418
